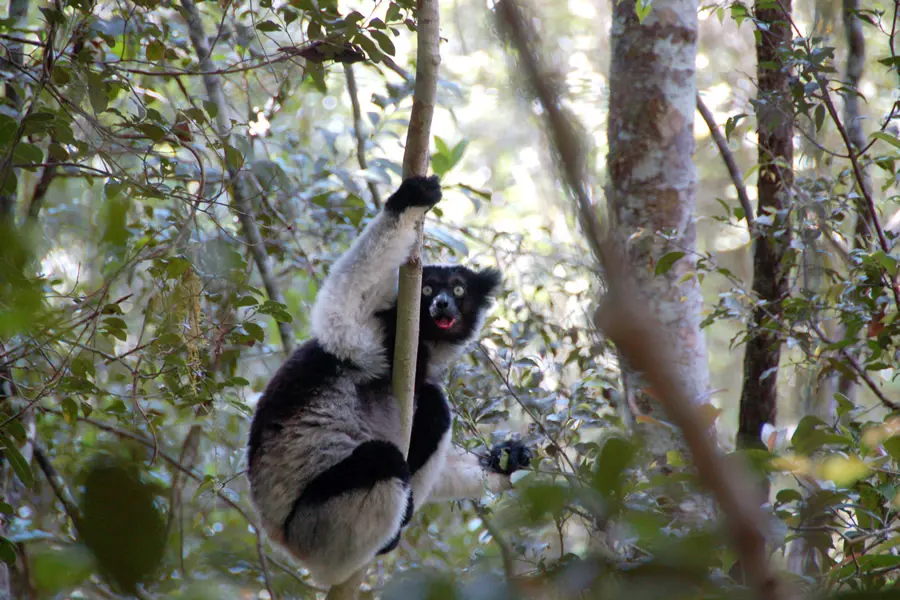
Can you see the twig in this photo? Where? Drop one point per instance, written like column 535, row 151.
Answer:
column 58, row 485
column 505, row 553
column 854, row 364
column 241, row 203
column 853, row 155
column 737, row 178
column 358, row 132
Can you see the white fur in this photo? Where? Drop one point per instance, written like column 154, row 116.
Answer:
column 362, row 282
column 348, row 531
column 424, row 480
column 465, row 477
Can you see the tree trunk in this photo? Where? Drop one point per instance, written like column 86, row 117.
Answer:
column 653, row 185
column 770, row 282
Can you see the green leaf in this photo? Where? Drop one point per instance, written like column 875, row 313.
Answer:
column 233, row 158
column 268, row 26
column 17, row 461
column 820, row 117
column 8, row 128
column 254, row 331
column 27, row 154
column 665, row 263
column 886, row 137
column 70, row 411
column 642, row 9
column 97, row 92
column 7, row 551
column 38, row 122
column 156, row 50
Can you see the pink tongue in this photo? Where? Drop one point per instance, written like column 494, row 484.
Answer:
column 444, row 323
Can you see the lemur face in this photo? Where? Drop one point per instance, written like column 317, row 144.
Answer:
column 453, row 300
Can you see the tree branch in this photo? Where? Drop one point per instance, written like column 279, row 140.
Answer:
column 737, row 178
column 58, row 485
column 239, row 197
column 358, row 132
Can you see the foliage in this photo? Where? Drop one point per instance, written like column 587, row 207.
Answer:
column 138, row 332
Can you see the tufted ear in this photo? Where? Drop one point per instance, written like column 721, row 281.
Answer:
column 486, row 282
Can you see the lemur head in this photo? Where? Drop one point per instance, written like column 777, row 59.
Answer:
column 455, row 300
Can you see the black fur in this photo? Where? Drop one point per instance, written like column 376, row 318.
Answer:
column 308, row 369
column 430, row 421
column 370, row 463
column 415, row 191
column 515, row 453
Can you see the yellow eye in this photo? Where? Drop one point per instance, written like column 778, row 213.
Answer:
column 459, row 291
column 426, row 290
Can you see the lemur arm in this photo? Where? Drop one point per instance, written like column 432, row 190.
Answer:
column 364, row 280
column 464, row 476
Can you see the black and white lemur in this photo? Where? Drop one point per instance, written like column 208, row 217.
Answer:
column 326, row 474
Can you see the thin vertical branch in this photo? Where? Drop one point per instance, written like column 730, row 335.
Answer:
column 239, row 197
column 856, row 63
column 358, row 132
column 415, row 162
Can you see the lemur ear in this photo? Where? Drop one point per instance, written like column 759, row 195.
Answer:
column 487, row 281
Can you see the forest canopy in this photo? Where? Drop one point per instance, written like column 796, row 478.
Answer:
column 694, row 207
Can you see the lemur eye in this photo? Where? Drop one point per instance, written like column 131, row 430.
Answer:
column 459, row 291
column 426, row 290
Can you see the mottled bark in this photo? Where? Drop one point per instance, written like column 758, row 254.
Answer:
column 770, row 274
column 652, row 183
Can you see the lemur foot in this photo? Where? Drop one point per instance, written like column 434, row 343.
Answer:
column 508, row 457
column 423, row 192
column 407, row 517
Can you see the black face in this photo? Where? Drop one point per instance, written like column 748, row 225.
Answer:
column 453, row 297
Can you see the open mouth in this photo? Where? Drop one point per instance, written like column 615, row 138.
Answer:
column 444, row 322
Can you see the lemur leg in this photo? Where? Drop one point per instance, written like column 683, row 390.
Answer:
column 350, row 512
column 430, row 440
column 364, row 280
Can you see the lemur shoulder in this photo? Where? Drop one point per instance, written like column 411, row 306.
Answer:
column 326, row 473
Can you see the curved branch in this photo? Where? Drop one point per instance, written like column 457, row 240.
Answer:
column 737, row 178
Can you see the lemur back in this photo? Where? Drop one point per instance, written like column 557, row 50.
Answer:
column 326, row 473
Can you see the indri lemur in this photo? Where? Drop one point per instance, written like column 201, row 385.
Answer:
column 326, row 473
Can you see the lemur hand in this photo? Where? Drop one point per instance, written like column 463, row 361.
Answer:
column 508, row 457
column 423, row 192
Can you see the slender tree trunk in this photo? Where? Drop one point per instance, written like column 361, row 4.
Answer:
column 864, row 230
column 770, row 274
column 652, row 185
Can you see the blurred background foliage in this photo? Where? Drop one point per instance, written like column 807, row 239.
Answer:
column 137, row 331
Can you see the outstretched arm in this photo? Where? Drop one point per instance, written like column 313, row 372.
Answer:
column 466, row 475
column 364, row 280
